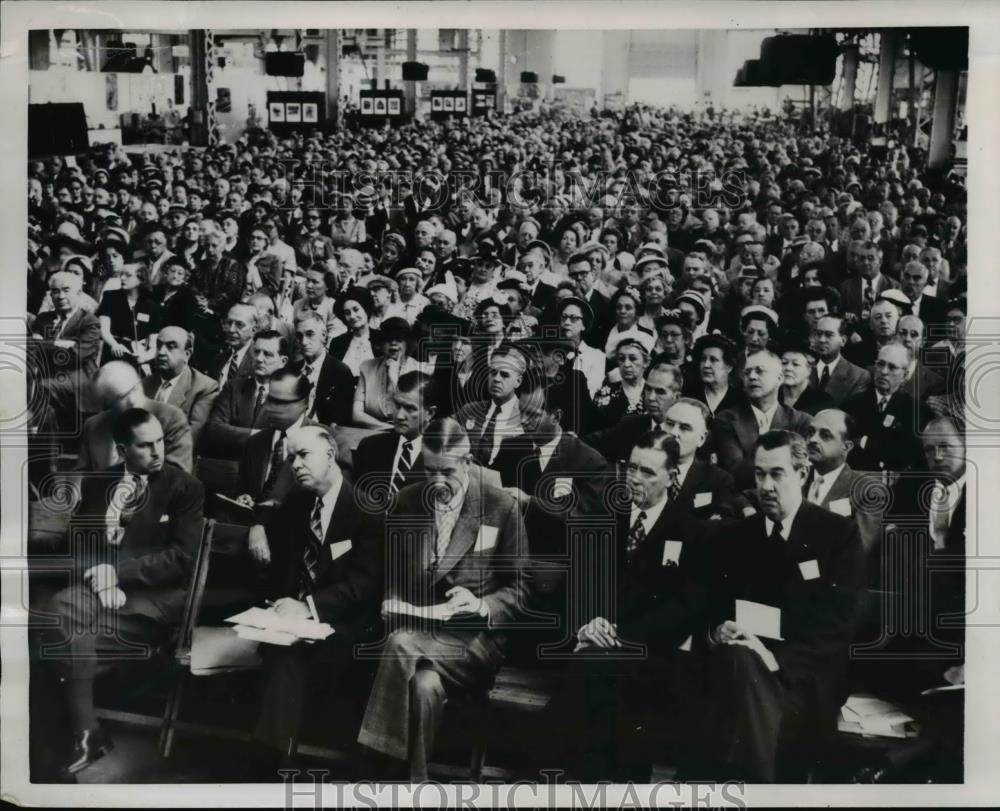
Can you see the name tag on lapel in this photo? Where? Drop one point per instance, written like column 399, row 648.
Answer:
column 339, row 549
column 841, row 506
column 142, row 316
column 164, row 518
column 702, row 499
column 809, row 569
column 888, row 421
column 671, row 553
column 864, row 442
column 563, row 487
column 686, row 645
column 486, row 539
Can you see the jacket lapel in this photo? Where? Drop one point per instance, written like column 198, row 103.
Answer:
column 182, row 389
column 466, row 529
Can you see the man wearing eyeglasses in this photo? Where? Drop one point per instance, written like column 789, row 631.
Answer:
column 157, row 255
column 313, row 246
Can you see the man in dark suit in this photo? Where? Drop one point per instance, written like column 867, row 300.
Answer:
column 388, row 461
column 238, row 329
column 488, row 422
column 833, row 373
column 582, row 272
column 921, row 381
column 736, row 430
column 326, row 564
column 332, row 395
column 929, row 309
column 859, row 294
column 888, row 419
column 706, row 490
column 118, row 388
column 63, row 354
column 133, row 538
column 466, row 565
column 633, row 638
column 237, row 413
column 786, row 595
column 534, row 264
column 664, row 382
column 173, row 380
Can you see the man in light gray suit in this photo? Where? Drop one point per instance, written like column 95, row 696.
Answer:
column 173, row 380
column 833, row 373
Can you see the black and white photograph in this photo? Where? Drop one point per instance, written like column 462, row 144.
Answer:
column 620, row 430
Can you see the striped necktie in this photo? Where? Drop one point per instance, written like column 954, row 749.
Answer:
column 484, row 452
column 277, row 461
column 674, row 488
column 233, row 368
column 403, row 467
column 313, row 547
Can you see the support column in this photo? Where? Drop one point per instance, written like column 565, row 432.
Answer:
column 886, row 75
column 199, row 89
column 850, row 76
column 332, row 46
column 502, row 74
column 410, row 88
column 379, row 64
column 614, row 74
column 39, row 55
column 463, row 59
column 943, row 125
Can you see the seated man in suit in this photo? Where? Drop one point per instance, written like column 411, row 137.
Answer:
column 833, row 373
column 63, row 354
column 118, row 388
column 706, row 490
column 736, row 430
column 134, row 537
column 664, row 382
column 327, row 564
column 332, row 393
column 921, row 380
column 391, row 460
column 887, row 418
column 467, row 559
column 488, row 422
column 238, row 411
column 238, row 329
column 634, row 636
column 858, row 294
column 173, row 380
column 772, row 683
column 929, row 309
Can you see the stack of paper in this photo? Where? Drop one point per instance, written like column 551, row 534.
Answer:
column 872, row 717
column 265, row 625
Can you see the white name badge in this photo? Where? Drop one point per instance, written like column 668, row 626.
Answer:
column 888, row 421
column 702, row 499
column 486, row 539
column 686, row 645
column 841, row 506
column 864, row 442
column 164, row 518
column 809, row 569
column 142, row 316
column 339, row 549
column 562, row 487
column 671, row 552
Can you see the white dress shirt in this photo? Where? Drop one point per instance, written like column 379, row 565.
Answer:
column 944, row 501
column 123, row 491
column 329, row 500
column 786, row 523
column 240, row 354
column 546, row 451
column 822, row 483
column 821, row 365
column 652, row 513
column 764, row 418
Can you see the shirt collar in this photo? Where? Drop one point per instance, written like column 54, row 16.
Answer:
column 652, row 513
column 786, row 523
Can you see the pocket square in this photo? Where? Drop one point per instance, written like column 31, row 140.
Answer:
column 486, row 539
column 339, row 549
column 702, row 500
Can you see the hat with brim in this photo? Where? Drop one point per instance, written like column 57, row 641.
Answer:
column 585, row 310
column 758, row 312
column 446, row 289
column 68, row 235
column 899, row 298
column 800, row 346
column 695, row 299
column 358, row 294
column 115, row 237
column 375, row 281
column 408, row 272
column 648, row 261
column 395, row 329
column 636, row 337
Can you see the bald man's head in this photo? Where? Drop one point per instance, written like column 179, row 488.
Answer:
column 118, row 387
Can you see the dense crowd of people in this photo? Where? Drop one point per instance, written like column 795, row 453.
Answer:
column 437, row 358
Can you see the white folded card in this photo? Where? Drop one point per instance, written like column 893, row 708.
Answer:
column 809, row 569
column 759, row 619
column 702, row 499
column 266, row 619
column 841, row 506
column 486, row 539
column 340, row 548
column 671, row 552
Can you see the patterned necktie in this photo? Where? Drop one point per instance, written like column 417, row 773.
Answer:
column 815, row 489
column 313, row 545
column 484, row 451
column 869, row 296
column 403, row 467
column 133, row 501
column 233, row 368
column 277, row 461
column 164, row 393
column 637, row 532
column 824, row 379
column 444, row 524
column 259, row 402
column 674, row 488
column 307, row 372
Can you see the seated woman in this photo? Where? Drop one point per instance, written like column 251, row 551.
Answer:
column 797, row 362
column 360, row 342
column 321, row 286
column 373, row 397
column 178, row 304
column 130, row 320
column 623, row 397
column 714, row 357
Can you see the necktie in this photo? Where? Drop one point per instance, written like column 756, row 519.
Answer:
column 869, row 296
column 277, row 461
column 883, row 402
column 824, row 379
column 444, row 521
column 776, row 541
column 939, row 515
column 313, row 546
column 637, row 532
column 484, row 452
column 815, row 490
column 311, row 405
column 133, row 501
column 164, row 392
column 405, row 463
column 233, row 368
column 261, row 395
column 674, row 488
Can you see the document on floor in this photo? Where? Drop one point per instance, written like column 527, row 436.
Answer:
column 872, row 717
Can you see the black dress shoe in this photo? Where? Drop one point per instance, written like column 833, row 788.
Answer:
column 89, row 746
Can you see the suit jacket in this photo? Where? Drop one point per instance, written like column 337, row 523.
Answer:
column 846, row 380
column 932, row 312
column 373, row 460
column 254, row 468
column 812, row 401
column 334, row 393
column 847, row 496
column 98, row 451
column 339, row 345
column 707, row 491
column 851, row 300
column 232, row 419
column 886, row 441
column 922, row 383
column 160, row 542
column 486, row 554
column 472, row 416
column 193, row 393
column 573, row 467
column 84, row 330
column 616, row 443
column 734, row 433
column 348, row 586
column 819, row 614
column 221, row 360
column 733, row 397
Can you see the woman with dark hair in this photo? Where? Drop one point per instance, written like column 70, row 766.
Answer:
column 626, row 304
column 714, row 357
column 360, row 342
column 130, row 319
column 346, row 228
column 373, row 403
column 189, row 247
column 178, row 304
column 566, row 246
column 321, row 287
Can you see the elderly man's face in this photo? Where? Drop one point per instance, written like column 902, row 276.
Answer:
column 779, row 483
column 891, row 369
column 659, row 393
column 884, row 319
column 944, row 449
column 64, row 293
column 867, row 262
column 914, row 280
column 762, row 376
column 910, row 331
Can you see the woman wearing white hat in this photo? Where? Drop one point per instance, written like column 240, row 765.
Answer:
column 616, row 400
